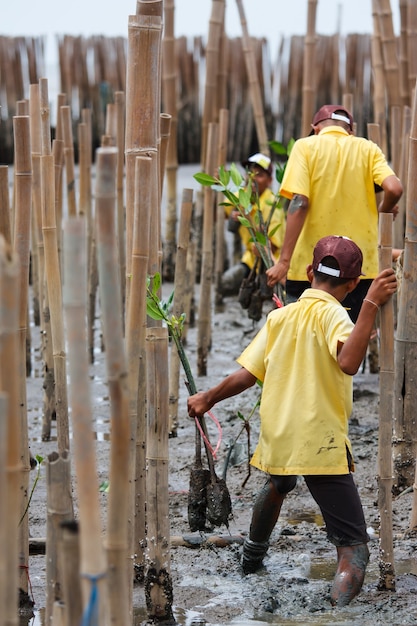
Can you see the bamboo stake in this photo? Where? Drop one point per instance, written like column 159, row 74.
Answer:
column 204, row 309
column 403, row 56
column 92, row 557
column 135, row 348
column 10, row 357
column 158, row 582
column 220, row 242
column 23, row 199
column 5, row 217
column 254, row 86
column 65, row 113
column 212, row 62
column 309, row 67
column 386, row 392
column 180, row 289
column 411, row 45
column 69, row 564
column 3, row 502
column 399, row 228
column 110, row 297
column 406, row 342
column 119, row 98
column 59, row 509
column 142, row 103
column 169, row 98
column 389, row 52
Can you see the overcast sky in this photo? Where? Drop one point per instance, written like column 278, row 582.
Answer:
column 265, row 18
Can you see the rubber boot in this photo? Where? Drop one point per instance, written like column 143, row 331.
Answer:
column 350, row 574
column 264, row 517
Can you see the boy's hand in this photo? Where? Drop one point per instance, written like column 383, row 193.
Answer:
column 198, row 404
column 382, row 287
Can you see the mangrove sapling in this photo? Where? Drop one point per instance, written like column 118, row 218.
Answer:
column 39, row 460
column 212, row 498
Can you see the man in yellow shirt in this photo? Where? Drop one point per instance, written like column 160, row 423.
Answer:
column 259, row 167
column 330, row 180
column 305, row 356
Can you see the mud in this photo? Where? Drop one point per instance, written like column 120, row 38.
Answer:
column 208, row 584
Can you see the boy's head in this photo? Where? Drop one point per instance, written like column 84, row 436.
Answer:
column 336, row 261
column 346, row 256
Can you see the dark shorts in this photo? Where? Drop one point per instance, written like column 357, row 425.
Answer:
column 352, row 302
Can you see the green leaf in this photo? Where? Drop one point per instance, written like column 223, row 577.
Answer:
column 261, row 238
column 224, row 176
column 278, row 147
column 244, row 221
column 156, row 282
column 205, row 179
column 244, row 198
column 170, row 299
column 153, row 310
column 237, row 177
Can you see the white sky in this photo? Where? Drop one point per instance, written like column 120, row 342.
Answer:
column 265, row 18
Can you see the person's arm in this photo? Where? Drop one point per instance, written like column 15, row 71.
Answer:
column 235, row 383
column 353, row 351
column 297, row 212
column 393, row 191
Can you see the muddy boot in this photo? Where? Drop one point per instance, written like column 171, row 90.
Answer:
column 351, row 568
column 253, row 555
column 265, row 514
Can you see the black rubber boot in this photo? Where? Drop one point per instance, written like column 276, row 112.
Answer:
column 253, row 555
column 350, row 574
column 264, row 517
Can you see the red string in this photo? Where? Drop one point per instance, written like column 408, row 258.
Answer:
column 26, row 568
column 277, row 301
column 206, row 440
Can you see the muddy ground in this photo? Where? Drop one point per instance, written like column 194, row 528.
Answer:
column 208, row 584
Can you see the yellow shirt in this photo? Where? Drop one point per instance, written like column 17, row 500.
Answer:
column 306, row 398
column 337, row 172
column 266, row 201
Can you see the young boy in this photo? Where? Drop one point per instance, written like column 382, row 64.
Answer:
column 305, row 356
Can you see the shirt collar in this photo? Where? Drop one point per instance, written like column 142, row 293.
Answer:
column 333, row 129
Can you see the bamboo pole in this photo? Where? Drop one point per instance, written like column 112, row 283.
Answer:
column 404, row 61
column 411, row 45
column 220, row 241
column 389, row 52
column 169, row 99
column 309, row 67
column 212, row 62
column 165, row 133
column 69, row 564
column 180, row 289
column 254, row 86
column 116, row 542
column 92, row 557
column 3, row 502
column 135, row 348
column 5, row 217
column 23, row 201
column 399, row 223
column 142, row 103
column 67, row 136
column 386, row 394
column 59, row 509
column 119, row 98
column 158, row 581
column 406, row 342
column 10, row 357
column 204, row 309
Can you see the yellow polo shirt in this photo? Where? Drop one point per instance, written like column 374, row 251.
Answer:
column 337, row 172
column 306, row 398
column 266, row 201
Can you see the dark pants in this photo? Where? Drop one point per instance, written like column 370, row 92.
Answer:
column 352, row 302
column 339, row 502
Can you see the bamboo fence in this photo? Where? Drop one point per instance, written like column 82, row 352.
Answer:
column 378, row 69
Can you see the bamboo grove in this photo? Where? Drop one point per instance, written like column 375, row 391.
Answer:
column 78, row 224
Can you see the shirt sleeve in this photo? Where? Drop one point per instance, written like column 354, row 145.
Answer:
column 338, row 327
column 380, row 168
column 296, row 178
column 253, row 357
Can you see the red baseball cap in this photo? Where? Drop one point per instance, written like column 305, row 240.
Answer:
column 344, row 251
column 333, row 112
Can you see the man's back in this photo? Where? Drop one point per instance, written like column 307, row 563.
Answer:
column 336, row 172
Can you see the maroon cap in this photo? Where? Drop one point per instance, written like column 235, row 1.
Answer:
column 345, row 252
column 333, row 112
